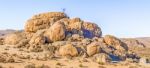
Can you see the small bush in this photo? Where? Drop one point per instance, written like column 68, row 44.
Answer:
column 80, row 65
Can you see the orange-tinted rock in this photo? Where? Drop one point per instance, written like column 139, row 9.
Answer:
column 37, row 39
column 56, row 32
column 43, row 21
column 68, row 50
column 14, row 38
column 91, row 30
column 93, row 48
column 115, row 42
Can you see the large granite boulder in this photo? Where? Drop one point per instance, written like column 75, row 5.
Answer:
column 43, row 21
column 68, row 50
column 56, row 32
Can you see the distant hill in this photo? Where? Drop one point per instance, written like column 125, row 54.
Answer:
column 140, row 41
column 145, row 41
column 4, row 32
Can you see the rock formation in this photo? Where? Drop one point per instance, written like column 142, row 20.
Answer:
column 52, row 31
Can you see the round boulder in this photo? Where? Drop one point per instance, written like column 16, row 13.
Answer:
column 91, row 30
column 56, row 32
column 93, row 48
column 68, row 50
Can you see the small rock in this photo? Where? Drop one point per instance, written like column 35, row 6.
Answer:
column 142, row 61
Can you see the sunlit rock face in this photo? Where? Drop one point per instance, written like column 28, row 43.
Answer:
column 70, row 26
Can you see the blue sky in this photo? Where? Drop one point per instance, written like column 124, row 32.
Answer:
column 122, row 18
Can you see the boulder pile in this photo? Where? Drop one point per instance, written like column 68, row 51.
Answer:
column 56, row 33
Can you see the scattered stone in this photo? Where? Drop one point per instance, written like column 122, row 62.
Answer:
column 35, row 48
column 5, row 58
column 142, row 61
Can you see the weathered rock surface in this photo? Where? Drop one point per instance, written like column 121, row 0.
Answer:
column 14, row 38
column 68, row 50
column 37, row 39
column 56, row 32
column 91, row 30
column 93, row 48
column 101, row 58
column 116, row 43
column 43, row 21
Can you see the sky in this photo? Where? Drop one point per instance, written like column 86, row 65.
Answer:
column 121, row 18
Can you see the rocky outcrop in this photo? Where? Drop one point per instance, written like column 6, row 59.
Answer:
column 50, row 32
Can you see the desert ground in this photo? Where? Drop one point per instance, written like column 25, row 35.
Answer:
column 23, row 60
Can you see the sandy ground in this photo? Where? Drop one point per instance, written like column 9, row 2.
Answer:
column 77, row 62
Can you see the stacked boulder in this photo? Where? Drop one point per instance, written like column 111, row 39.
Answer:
column 67, row 37
column 43, row 21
